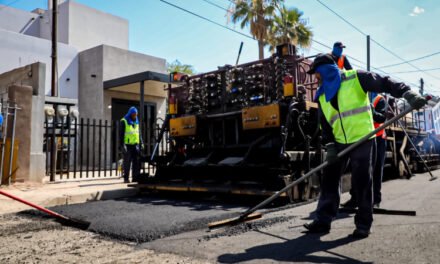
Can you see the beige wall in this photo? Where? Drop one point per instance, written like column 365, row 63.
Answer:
column 28, row 85
column 22, row 95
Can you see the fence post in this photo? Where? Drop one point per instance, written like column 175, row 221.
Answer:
column 105, row 147
column 117, row 124
column 99, row 146
column 47, row 137
column 88, row 148
column 62, row 149
column 81, row 153
column 112, row 146
column 75, row 148
column 69, row 123
column 93, row 147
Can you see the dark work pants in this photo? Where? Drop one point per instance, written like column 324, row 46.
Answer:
column 381, row 147
column 361, row 160
column 379, row 155
column 131, row 157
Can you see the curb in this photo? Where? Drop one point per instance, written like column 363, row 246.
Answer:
column 90, row 197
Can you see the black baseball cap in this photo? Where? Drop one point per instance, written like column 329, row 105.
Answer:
column 320, row 59
column 339, row 44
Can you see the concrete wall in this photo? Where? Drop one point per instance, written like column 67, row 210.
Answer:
column 22, row 95
column 29, row 82
column 38, row 157
column 17, row 50
column 119, row 63
column 91, row 93
column 19, row 21
column 89, row 28
column 109, row 63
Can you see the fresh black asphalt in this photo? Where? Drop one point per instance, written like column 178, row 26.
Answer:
column 142, row 219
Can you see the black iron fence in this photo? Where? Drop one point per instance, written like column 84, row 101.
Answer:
column 89, row 148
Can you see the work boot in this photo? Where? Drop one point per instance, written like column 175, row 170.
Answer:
column 317, row 227
column 349, row 204
column 361, row 233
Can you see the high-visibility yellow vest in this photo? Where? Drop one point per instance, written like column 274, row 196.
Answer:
column 354, row 120
column 131, row 134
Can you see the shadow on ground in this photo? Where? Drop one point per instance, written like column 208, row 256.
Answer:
column 301, row 249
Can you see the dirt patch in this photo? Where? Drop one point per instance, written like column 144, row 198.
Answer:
column 28, row 239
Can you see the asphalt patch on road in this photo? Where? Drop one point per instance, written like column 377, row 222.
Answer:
column 246, row 227
column 143, row 219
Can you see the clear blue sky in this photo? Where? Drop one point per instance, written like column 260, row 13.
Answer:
column 407, row 27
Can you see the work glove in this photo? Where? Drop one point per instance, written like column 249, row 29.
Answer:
column 332, row 153
column 415, row 100
column 138, row 149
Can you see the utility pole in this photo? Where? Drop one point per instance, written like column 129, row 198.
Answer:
column 368, row 52
column 54, row 90
column 368, row 63
column 422, row 83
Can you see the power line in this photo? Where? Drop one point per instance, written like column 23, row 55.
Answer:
column 216, row 5
column 346, row 21
column 420, row 58
column 248, row 36
column 431, row 69
column 207, row 19
column 373, row 40
column 409, row 63
column 7, row 5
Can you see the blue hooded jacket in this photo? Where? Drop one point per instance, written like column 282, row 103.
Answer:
column 127, row 117
column 331, row 81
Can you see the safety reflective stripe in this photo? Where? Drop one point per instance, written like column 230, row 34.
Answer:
column 348, row 113
column 347, row 78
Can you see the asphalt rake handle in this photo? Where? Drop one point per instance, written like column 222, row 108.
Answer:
column 415, row 148
column 243, row 216
column 81, row 224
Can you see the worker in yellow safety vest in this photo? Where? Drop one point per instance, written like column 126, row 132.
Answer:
column 131, row 143
column 340, row 59
column 346, row 117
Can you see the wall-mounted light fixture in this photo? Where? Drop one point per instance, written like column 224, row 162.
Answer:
column 93, row 75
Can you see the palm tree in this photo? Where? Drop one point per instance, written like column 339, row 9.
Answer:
column 177, row 66
column 257, row 14
column 288, row 27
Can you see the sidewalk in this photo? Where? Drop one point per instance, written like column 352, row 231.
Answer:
column 52, row 194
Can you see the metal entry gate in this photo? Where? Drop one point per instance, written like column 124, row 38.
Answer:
column 89, row 148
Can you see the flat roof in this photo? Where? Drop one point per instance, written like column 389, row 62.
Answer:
column 137, row 78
